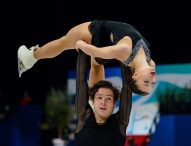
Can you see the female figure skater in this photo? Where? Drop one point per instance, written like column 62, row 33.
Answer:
column 105, row 40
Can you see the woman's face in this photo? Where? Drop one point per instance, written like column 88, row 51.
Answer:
column 145, row 79
column 103, row 104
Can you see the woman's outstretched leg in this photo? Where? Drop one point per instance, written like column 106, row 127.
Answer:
column 28, row 57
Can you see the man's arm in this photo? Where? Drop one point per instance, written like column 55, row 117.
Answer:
column 81, row 85
column 97, row 72
column 125, row 99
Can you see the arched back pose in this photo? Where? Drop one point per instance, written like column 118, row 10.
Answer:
column 101, row 39
column 99, row 126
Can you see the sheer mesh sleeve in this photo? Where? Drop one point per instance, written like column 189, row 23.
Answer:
column 81, row 90
column 125, row 99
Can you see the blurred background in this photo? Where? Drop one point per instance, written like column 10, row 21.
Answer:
column 165, row 25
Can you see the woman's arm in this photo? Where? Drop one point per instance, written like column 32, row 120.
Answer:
column 119, row 51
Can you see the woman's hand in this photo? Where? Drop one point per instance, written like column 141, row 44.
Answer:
column 80, row 44
column 88, row 49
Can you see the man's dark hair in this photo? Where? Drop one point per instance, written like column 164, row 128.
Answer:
column 103, row 84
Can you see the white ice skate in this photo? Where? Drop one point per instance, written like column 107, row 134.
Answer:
column 26, row 58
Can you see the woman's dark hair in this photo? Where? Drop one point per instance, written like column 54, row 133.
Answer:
column 133, row 85
column 103, row 84
column 135, row 88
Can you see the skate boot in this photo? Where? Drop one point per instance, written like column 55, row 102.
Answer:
column 26, row 58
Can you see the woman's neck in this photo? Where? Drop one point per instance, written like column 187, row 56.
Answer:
column 140, row 60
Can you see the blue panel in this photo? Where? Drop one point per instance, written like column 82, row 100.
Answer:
column 29, row 121
column 172, row 130
column 164, row 135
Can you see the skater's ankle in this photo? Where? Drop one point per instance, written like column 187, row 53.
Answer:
column 35, row 53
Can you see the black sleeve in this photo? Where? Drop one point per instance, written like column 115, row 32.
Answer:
column 81, row 85
column 125, row 99
column 82, row 97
